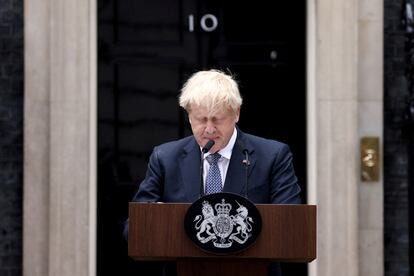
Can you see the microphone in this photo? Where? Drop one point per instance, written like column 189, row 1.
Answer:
column 204, row 150
column 246, row 163
column 208, row 146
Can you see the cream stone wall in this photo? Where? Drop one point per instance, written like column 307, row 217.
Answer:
column 36, row 140
column 60, row 138
column 370, row 123
column 333, row 141
column 344, row 104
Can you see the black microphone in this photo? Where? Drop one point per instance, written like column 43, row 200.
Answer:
column 246, row 163
column 208, row 146
column 204, row 150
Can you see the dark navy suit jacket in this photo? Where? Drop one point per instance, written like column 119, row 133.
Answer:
column 173, row 175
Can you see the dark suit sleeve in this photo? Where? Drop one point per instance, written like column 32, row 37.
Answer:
column 284, row 188
column 151, row 188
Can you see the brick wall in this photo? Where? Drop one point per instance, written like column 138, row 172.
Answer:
column 11, row 136
column 396, row 232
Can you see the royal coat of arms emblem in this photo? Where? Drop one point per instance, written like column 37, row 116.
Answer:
column 223, row 224
column 226, row 228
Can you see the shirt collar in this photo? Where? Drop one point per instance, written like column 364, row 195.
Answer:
column 227, row 150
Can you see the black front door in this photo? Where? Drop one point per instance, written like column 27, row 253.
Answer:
column 147, row 49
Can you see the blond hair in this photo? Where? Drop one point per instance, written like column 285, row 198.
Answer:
column 211, row 89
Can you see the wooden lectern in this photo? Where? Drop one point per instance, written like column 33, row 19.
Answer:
column 156, row 232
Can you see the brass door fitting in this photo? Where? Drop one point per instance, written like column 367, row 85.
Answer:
column 370, row 159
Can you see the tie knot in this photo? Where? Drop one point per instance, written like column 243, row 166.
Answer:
column 213, row 158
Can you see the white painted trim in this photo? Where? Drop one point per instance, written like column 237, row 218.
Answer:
column 311, row 123
column 311, row 104
column 93, row 132
column 60, row 129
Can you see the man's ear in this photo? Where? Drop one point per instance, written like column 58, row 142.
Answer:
column 237, row 115
column 188, row 116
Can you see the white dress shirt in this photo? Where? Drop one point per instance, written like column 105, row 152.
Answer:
column 224, row 160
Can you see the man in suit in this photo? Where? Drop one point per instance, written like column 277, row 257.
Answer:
column 212, row 101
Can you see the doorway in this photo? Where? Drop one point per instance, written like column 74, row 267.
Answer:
column 146, row 50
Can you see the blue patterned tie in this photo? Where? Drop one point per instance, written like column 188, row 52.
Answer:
column 213, row 180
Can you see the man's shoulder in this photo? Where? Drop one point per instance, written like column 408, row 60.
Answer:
column 172, row 147
column 174, row 143
column 255, row 140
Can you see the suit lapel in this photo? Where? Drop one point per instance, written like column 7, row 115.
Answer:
column 190, row 170
column 236, row 173
column 235, row 181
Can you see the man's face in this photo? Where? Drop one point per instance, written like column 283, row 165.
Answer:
column 218, row 126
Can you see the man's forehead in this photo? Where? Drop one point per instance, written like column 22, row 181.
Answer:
column 210, row 112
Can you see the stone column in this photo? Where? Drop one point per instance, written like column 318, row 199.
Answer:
column 333, row 133
column 370, row 117
column 60, row 138
column 36, row 139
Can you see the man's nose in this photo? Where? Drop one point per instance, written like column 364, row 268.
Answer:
column 210, row 128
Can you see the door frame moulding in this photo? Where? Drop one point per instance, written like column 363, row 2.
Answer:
column 59, row 203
